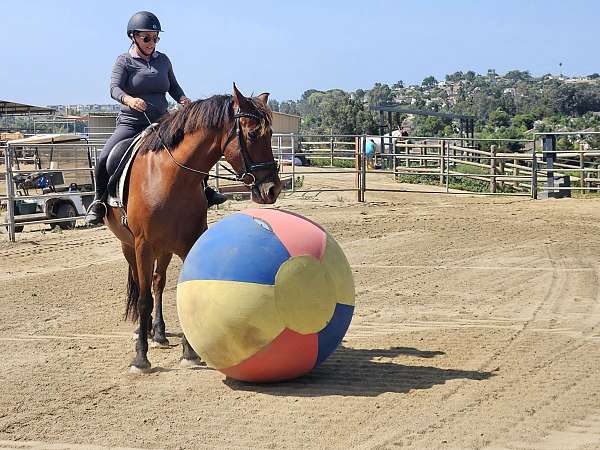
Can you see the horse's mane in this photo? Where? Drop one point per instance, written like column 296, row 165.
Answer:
column 213, row 112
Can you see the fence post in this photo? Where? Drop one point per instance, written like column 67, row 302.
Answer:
column 357, row 166
column 363, row 169
column 279, row 149
column 394, row 159
column 548, row 155
column 10, row 193
column 331, row 149
column 442, row 162
column 493, row 168
column 293, row 141
column 582, row 167
column 447, row 156
column 534, row 171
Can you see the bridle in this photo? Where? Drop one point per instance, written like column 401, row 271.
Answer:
column 249, row 167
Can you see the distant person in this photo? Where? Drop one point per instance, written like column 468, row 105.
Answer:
column 140, row 79
column 370, row 151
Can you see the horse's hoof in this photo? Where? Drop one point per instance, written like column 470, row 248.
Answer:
column 139, row 370
column 187, row 363
column 160, row 344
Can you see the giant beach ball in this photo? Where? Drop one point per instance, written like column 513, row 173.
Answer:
column 265, row 295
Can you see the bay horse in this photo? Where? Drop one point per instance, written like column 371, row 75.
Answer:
column 166, row 206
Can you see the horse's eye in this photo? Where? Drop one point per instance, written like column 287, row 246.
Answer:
column 252, row 135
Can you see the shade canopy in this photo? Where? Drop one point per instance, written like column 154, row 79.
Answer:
column 8, row 108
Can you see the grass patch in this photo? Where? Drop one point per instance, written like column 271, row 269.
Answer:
column 326, row 162
column 458, row 182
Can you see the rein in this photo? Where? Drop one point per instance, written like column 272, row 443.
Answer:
column 249, row 166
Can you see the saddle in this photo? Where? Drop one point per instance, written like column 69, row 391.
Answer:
column 118, row 166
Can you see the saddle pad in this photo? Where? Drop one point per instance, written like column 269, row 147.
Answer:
column 120, row 200
column 116, row 201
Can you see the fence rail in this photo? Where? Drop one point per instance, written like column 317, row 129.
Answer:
column 541, row 166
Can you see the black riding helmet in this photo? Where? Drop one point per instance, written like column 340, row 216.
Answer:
column 143, row 21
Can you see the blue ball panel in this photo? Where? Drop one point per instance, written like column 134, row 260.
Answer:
column 331, row 336
column 238, row 248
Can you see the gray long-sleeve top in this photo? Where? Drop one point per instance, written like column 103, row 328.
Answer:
column 149, row 80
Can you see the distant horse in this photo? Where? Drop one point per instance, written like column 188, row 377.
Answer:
column 166, row 205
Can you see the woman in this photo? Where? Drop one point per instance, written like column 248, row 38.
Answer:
column 140, row 79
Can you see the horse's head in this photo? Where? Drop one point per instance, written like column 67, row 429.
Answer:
column 248, row 147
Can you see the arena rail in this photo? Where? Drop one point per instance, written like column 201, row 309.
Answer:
column 548, row 165
column 572, row 157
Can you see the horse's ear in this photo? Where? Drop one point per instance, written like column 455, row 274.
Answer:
column 239, row 100
column 264, row 98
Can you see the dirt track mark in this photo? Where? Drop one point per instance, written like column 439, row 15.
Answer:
column 38, row 445
column 26, row 250
column 553, row 294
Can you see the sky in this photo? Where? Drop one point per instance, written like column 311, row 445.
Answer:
column 62, row 51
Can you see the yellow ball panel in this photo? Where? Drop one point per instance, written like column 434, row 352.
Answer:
column 305, row 295
column 340, row 272
column 226, row 322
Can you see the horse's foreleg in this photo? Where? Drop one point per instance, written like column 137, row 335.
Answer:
column 159, row 339
column 145, row 267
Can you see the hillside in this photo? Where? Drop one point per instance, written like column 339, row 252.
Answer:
column 507, row 105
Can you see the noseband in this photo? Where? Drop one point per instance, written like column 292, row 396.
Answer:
column 249, row 167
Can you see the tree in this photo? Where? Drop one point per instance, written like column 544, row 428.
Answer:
column 470, row 75
column 517, row 75
column 429, row 81
column 523, row 121
column 380, row 93
column 456, row 76
column 499, row 118
column 431, row 126
column 274, row 104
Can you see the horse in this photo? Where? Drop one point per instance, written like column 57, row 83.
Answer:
column 166, row 208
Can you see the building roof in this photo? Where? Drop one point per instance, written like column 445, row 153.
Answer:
column 13, row 109
column 391, row 107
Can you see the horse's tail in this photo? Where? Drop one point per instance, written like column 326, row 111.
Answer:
column 133, row 291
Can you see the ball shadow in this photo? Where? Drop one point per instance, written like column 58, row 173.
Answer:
column 364, row 373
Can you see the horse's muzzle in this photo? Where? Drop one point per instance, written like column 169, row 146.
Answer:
column 266, row 192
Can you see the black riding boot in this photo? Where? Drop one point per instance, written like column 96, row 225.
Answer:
column 96, row 212
column 213, row 197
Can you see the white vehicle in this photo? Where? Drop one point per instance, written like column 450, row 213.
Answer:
column 65, row 202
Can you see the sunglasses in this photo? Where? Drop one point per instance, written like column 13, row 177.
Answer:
column 146, row 39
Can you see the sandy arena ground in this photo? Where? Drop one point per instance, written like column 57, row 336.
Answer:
column 477, row 326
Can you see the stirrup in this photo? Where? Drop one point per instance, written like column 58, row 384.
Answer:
column 98, row 218
column 93, row 203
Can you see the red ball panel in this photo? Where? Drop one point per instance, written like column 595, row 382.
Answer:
column 288, row 227
column 289, row 355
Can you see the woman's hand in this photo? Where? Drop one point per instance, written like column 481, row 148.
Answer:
column 135, row 103
column 184, row 100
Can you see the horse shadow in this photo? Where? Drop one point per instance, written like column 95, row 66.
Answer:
column 364, row 373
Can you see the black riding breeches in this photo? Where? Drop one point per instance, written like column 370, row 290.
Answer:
column 123, row 131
